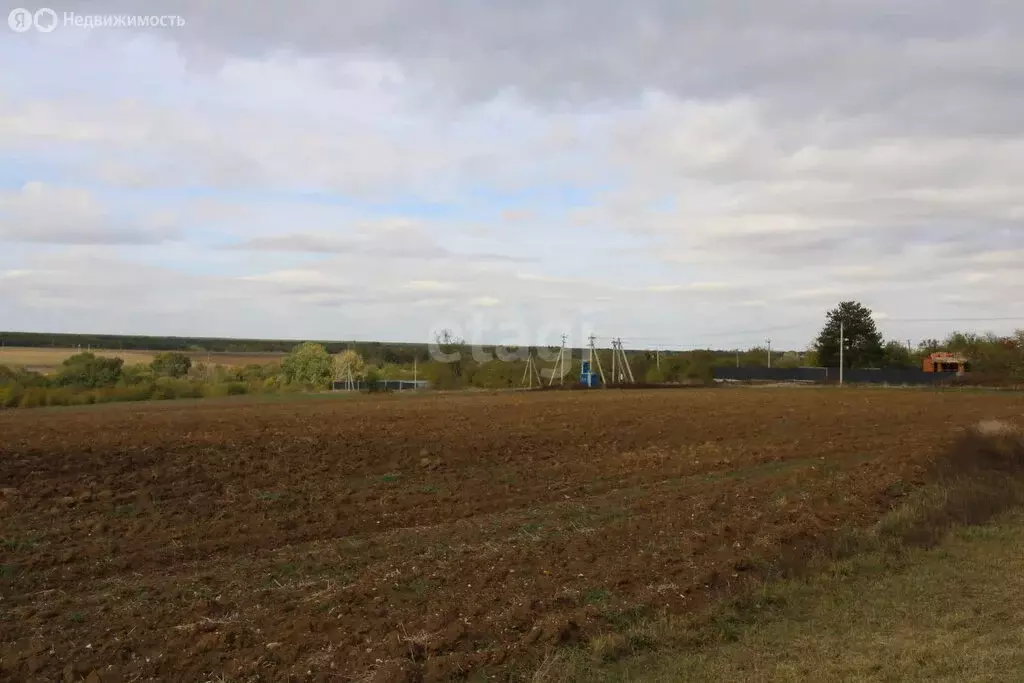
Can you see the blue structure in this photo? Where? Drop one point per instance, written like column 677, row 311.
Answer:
column 588, row 378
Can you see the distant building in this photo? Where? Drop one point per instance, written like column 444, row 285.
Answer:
column 943, row 361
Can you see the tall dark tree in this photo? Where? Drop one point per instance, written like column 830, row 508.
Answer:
column 863, row 341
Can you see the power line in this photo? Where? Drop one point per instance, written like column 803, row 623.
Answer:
column 950, row 320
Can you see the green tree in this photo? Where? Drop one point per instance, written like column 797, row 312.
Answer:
column 136, row 374
column 171, row 364
column 897, row 355
column 790, row 359
column 90, row 371
column 654, row 375
column 308, row 364
column 862, row 340
column 447, row 371
column 371, row 380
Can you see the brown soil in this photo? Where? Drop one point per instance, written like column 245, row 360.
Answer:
column 420, row 538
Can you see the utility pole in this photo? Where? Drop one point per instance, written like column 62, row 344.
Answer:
column 657, row 358
column 625, row 372
column 594, row 358
column 559, row 368
column 769, row 352
column 842, row 343
column 415, row 371
column 531, row 372
column 737, row 357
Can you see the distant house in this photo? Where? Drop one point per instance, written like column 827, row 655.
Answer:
column 943, row 361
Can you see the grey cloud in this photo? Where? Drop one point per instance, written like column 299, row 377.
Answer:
column 382, row 247
column 851, row 52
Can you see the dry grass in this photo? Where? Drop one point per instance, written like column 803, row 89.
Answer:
column 924, row 595
column 944, row 614
column 47, row 359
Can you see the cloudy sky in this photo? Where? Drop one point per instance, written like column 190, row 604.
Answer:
column 709, row 172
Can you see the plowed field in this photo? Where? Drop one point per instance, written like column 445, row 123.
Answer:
column 408, row 538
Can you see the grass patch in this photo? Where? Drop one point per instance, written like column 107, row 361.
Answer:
column 924, row 594
column 391, row 478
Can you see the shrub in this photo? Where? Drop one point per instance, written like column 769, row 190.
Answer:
column 171, row 364
column 221, row 389
column 34, row 397
column 10, row 395
column 61, row 397
column 138, row 392
column 136, row 374
column 371, row 378
column 89, row 370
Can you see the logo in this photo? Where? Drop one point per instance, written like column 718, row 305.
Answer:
column 44, row 20
column 21, row 20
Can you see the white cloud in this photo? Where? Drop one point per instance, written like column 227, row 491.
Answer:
column 44, row 214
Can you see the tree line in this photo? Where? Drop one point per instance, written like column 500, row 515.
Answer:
column 90, row 378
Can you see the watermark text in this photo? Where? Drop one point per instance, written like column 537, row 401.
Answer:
column 46, row 20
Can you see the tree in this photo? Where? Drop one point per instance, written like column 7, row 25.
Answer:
column 349, row 364
column 862, row 340
column 897, row 355
column 790, row 359
column 88, row 370
column 446, row 350
column 171, row 364
column 308, row 364
column 371, row 381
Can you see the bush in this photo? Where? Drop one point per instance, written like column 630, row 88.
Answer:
column 88, row 370
column 136, row 374
column 138, row 392
column 61, row 397
column 222, row 389
column 371, row 379
column 34, row 397
column 10, row 395
column 171, row 364
column 167, row 388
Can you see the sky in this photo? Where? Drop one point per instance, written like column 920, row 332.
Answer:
column 677, row 174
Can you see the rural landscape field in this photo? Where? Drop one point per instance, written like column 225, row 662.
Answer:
column 433, row 537
column 47, row 359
